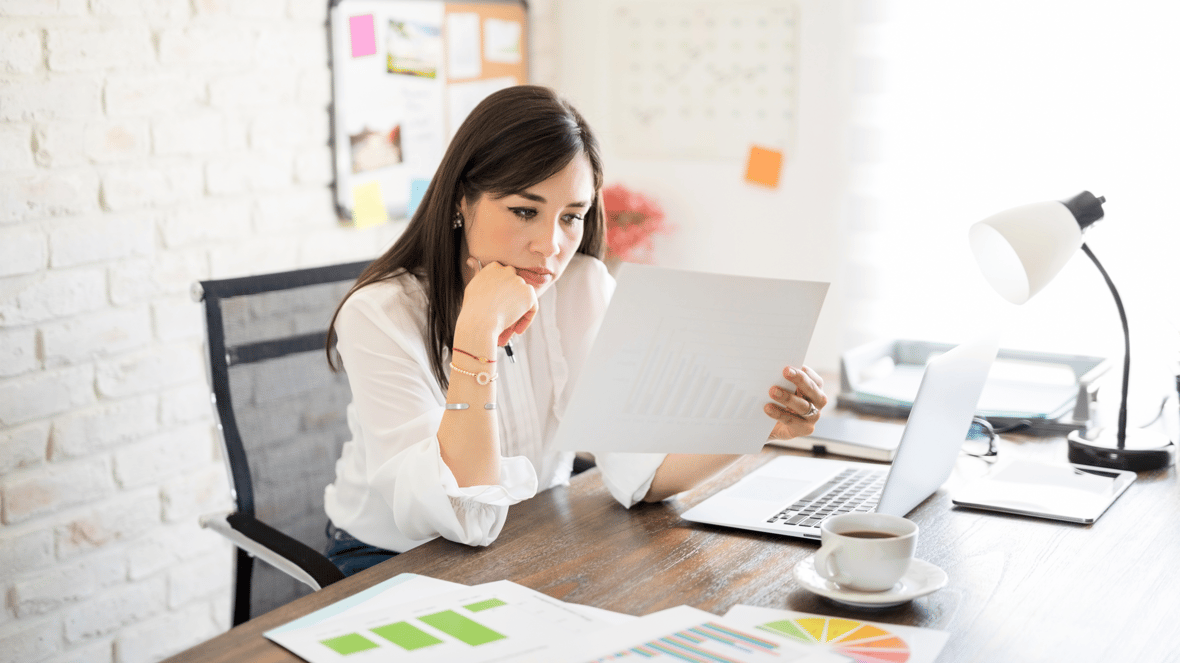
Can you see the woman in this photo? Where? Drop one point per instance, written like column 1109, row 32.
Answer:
column 462, row 343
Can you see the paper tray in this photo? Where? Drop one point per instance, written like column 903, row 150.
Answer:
column 1053, row 393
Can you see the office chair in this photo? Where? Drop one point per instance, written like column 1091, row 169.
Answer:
column 281, row 414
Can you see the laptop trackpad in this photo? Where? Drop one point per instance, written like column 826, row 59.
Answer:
column 778, row 490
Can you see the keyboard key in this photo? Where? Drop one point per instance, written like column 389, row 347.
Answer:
column 848, row 492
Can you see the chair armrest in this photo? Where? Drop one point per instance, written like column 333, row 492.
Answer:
column 290, row 556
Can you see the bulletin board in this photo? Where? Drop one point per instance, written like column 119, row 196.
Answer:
column 405, row 74
column 700, row 79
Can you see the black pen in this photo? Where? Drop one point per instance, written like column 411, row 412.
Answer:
column 508, row 350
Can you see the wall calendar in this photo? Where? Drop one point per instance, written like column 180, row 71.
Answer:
column 703, row 80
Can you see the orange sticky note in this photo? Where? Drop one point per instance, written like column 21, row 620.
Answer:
column 765, row 166
column 367, row 207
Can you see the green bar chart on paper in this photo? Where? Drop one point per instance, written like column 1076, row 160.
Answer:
column 485, row 605
column 349, row 644
column 410, row 637
column 487, row 622
column 461, row 628
column 406, row 635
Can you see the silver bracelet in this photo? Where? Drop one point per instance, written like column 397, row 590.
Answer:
column 464, row 406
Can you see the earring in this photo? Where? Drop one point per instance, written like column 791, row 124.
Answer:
column 457, row 222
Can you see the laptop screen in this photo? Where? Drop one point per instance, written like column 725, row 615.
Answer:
column 937, row 425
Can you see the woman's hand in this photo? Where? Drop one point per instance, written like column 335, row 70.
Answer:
column 796, row 413
column 497, row 299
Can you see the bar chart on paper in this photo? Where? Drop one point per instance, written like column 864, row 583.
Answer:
column 475, row 624
column 686, row 372
column 684, row 362
column 409, row 637
column 709, row 641
column 683, row 634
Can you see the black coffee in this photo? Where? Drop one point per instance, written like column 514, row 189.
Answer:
column 867, row 534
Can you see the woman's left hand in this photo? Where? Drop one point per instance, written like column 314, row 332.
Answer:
column 796, row 413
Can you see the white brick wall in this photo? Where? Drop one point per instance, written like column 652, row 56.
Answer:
column 97, row 48
column 35, row 98
column 26, row 196
column 22, row 251
column 20, row 49
column 144, row 144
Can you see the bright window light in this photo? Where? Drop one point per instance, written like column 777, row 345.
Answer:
column 985, row 106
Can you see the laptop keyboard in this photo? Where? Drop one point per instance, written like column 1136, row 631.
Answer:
column 851, row 490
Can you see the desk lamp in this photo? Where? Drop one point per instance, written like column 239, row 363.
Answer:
column 1019, row 251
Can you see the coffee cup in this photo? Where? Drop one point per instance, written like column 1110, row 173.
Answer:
column 867, row 552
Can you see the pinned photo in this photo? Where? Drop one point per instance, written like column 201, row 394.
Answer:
column 414, row 49
column 502, row 40
column 375, row 149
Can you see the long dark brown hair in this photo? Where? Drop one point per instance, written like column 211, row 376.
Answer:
column 514, row 139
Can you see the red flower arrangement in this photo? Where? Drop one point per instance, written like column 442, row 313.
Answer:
column 631, row 220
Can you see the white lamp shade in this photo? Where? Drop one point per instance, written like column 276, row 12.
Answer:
column 1020, row 250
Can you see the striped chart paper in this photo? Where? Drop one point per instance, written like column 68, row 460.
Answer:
column 682, row 635
column 709, row 641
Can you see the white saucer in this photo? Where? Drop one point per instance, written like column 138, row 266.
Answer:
column 921, row 579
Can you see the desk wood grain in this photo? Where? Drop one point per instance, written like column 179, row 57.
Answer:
column 1021, row 589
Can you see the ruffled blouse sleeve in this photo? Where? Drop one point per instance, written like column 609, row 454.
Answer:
column 399, row 406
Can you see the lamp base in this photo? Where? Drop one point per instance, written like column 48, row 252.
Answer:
column 1144, row 450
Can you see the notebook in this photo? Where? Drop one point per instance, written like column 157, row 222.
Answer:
column 1073, row 493
column 849, row 436
column 784, row 495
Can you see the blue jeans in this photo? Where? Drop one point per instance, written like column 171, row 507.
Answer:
column 351, row 555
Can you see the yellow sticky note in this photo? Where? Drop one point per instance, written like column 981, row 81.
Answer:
column 367, row 207
column 765, row 166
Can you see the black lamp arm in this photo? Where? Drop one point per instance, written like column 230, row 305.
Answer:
column 1122, row 435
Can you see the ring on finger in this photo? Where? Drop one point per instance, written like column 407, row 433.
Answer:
column 806, row 415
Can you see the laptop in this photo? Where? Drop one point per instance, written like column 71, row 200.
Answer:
column 791, row 495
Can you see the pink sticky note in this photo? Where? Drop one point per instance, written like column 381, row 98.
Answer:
column 360, row 30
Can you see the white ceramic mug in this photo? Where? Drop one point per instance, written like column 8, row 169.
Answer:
column 867, row 552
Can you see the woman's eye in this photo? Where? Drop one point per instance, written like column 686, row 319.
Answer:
column 572, row 218
column 523, row 212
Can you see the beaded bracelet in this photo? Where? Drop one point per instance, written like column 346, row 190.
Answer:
column 464, row 406
column 476, row 357
column 481, row 377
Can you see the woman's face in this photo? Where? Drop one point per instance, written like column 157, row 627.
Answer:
column 537, row 230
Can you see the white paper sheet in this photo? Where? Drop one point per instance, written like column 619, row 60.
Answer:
column 682, row 633
column 502, row 40
column 463, row 97
column 602, row 615
column 401, row 588
column 495, row 621
column 856, row 639
column 463, row 45
column 416, row 588
column 684, row 362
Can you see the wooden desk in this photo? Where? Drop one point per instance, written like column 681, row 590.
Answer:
column 1021, row 589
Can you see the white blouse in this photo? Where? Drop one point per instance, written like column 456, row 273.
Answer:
column 392, row 488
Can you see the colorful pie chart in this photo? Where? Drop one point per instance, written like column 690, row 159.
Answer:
column 865, row 643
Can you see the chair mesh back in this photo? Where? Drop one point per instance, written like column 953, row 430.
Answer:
column 290, row 413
